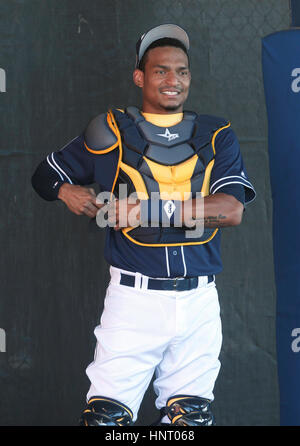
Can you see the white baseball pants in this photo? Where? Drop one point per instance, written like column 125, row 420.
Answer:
column 176, row 334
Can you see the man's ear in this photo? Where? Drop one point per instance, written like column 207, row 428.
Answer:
column 138, row 78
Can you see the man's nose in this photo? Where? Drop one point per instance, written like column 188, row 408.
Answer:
column 172, row 78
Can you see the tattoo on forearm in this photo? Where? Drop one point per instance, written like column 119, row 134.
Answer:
column 216, row 221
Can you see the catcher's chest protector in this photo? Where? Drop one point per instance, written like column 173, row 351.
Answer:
column 176, row 160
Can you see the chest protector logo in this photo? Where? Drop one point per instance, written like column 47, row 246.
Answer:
column 153, row 160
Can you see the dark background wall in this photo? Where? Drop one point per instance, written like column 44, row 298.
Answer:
column 295, row 13
column 66, row 61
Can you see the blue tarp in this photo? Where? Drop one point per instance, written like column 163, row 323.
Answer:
column 281, row 71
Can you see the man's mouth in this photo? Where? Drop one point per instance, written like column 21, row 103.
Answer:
column 170, row 92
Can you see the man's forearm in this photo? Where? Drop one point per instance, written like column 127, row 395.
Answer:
column 215, row 211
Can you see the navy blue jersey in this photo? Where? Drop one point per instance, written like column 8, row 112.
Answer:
column 76, row 165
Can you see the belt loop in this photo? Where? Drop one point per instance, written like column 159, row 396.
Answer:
column 144, row 282
column 202, row 281
column 138, row 280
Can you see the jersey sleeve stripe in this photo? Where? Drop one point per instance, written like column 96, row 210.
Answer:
column 48, row 161
column 244, row 181
column 249, row 197
column 61, row 170
column 231, row 182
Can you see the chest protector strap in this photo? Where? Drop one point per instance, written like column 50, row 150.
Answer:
column 174, row 162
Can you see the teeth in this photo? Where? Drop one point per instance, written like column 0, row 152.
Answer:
column 170, row 93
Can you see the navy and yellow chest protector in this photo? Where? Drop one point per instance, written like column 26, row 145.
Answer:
column 173, row 162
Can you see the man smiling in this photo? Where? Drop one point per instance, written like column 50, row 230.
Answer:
column 166, row 81
column 161, row 313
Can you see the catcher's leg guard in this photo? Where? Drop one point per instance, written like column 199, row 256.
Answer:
column 185, row 410
column 102, row 411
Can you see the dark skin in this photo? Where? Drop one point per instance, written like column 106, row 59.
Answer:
column 166, row 71
column 165, row 84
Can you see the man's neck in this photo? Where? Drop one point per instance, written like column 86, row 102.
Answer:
column 163, row 120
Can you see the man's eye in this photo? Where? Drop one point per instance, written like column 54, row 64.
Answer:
column 183, row 73
column 160, row 72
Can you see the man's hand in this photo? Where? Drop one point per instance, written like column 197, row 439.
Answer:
column 122, row 214
column 80, row 200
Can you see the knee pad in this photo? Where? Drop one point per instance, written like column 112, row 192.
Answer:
column 102, row 411
column 185, row 410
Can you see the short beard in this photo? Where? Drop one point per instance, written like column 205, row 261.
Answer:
column 171, row 107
